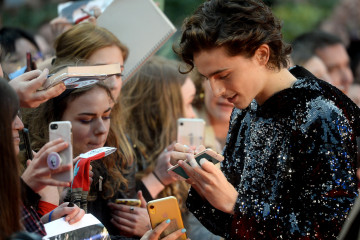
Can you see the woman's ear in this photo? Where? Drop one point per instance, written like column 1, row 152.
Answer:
column 262, row 54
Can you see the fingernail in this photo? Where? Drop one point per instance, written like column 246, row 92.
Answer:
column 183, row 230
column 188, row 149
column 168, row 221
column 202, row 161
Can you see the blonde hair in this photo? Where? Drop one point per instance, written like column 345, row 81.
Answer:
column 152, row 99
column 152, row 102
column 81, row 41
column 74, row 47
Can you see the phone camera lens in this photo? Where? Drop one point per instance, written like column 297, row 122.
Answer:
column 181, row 123
column 152, row 207
column 54, row 126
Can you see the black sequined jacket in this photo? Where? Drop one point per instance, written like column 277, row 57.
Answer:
column 293, row 161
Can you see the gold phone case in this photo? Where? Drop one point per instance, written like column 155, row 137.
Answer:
column 166, row 208
column 130, row 202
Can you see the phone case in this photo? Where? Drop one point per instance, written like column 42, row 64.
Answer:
column 208, row 154
column 163, row 209
column 129, row 202
column 27, row 144
column 190, row 131
column 62, row 129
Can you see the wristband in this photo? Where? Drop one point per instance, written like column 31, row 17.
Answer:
column 50, row 215
column 157, row 177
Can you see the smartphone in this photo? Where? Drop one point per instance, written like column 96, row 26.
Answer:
column 208, row 154
column 166, row 208
column 26, row 137
column 62, row 129
column 30, row 64
column 129, row 201
column 191, row 131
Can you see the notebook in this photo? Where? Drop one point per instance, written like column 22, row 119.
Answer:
column 72, row 10
column 141, row 26
column 80, row 76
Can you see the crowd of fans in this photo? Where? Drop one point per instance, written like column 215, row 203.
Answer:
column 285, row 117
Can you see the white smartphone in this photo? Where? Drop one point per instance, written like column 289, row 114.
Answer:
column 191, row 131
column 208, row 154
column 62, row 129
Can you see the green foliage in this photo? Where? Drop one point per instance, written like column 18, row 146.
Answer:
column 28, row 18
column 301, row 16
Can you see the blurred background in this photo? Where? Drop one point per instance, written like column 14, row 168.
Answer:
column 341, row 17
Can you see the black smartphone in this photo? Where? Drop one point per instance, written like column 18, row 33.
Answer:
column 26, row 137
column 30, row 64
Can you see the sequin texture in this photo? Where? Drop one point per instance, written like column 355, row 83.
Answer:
column 292, row 160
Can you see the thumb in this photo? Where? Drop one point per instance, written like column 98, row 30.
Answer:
column 142, row 199
column 75, row 160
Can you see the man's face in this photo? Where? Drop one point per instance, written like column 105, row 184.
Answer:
column 337, row 62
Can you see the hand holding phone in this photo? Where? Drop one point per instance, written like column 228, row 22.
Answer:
column 62, row 129
column 163, row 209
column 129, row 201
column 208, row 154
column 38, row 175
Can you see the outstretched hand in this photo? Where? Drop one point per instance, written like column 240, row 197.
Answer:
column 26, row 86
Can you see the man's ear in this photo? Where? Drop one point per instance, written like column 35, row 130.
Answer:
column 262, row 54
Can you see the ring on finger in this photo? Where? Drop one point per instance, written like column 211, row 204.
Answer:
column 131, row 209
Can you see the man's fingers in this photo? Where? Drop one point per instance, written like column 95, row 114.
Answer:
column 182, row 148
column 176, row 156
column 199, row 149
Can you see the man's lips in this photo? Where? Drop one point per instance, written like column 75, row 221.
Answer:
column 231, row 99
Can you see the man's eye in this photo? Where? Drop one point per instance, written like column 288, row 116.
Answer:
column 223, row 77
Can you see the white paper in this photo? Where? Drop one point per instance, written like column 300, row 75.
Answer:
column 59, row 226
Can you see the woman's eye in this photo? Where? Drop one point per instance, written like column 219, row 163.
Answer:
column 85, row 121
column 106, row 117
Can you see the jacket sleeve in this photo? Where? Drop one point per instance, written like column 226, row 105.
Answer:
column 213, row 219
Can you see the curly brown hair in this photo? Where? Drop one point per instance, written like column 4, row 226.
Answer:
column 241, row 26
